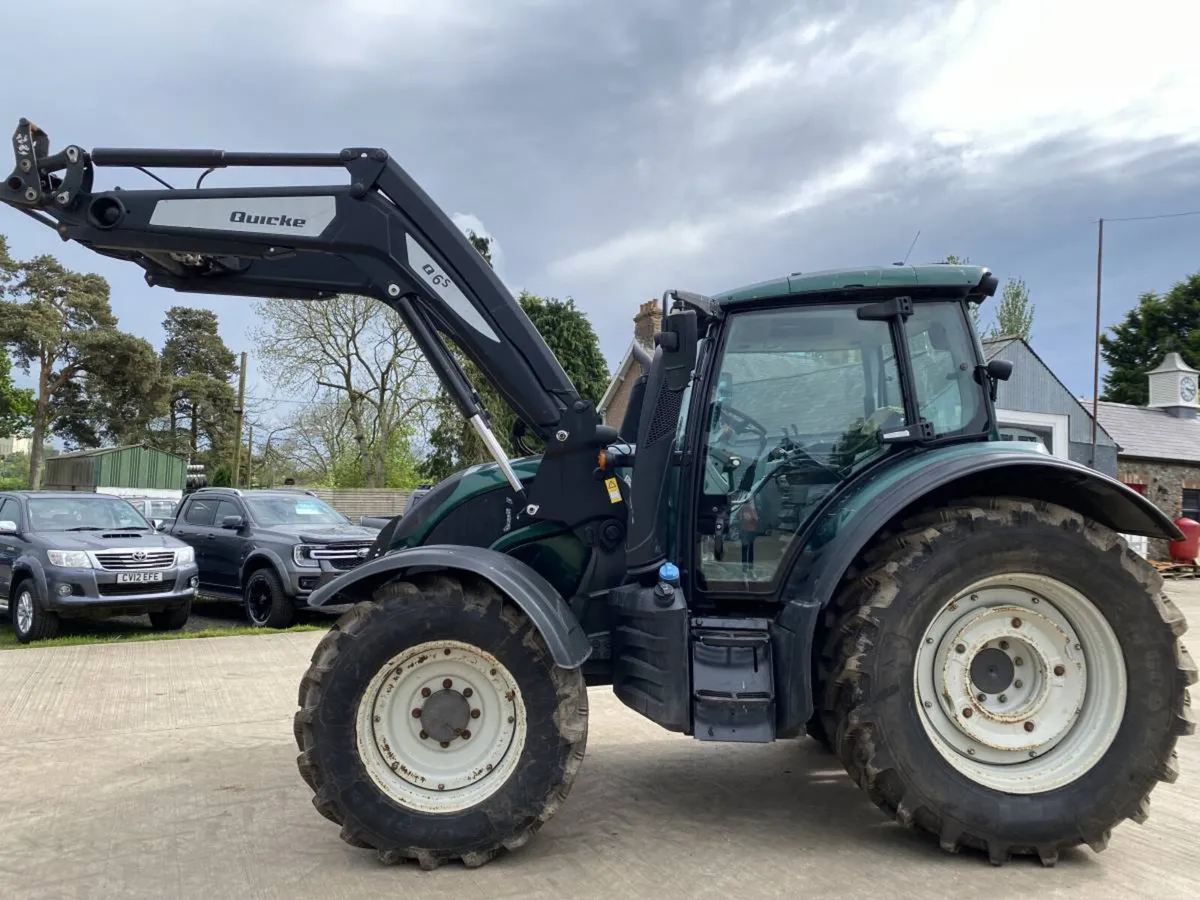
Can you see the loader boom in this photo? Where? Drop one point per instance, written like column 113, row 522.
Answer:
column 379, row 235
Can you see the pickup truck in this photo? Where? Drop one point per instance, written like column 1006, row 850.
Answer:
column 268, row 549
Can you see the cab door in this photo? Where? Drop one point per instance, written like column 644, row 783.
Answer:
column 793, row 409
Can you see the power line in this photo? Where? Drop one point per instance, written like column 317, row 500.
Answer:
column 1177, row 215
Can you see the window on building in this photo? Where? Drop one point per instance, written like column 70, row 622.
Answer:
column 1191, row 503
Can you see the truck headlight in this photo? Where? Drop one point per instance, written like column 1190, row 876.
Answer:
column 301, row 555
column 185, row 556
column 69, row 559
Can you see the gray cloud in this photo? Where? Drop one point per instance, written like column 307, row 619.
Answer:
column 615, row 150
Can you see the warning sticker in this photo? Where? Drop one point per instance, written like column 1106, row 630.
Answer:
column 614, row 492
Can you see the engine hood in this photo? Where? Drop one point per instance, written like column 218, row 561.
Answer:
column 325, row 534
column 106, row 540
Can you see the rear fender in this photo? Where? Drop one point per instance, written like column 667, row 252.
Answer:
column 935, row 479
column 536, row 597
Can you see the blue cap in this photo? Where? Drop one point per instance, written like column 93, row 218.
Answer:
column 668, row 572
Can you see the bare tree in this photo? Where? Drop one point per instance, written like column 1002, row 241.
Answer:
column 353, row 358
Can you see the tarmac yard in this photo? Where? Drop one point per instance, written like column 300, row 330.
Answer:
column 167, row 770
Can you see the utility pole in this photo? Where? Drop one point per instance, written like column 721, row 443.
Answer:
column 240, row 410
column 250, row 457
column 1096, row 349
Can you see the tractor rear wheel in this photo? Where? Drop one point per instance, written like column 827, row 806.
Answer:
column 1007, row 676
column 434, row 724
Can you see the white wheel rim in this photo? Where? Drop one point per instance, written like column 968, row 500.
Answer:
column 1020, row 683
column 24, row 611
column 441, row 727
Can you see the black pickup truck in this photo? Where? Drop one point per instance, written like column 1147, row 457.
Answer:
column 269, row 549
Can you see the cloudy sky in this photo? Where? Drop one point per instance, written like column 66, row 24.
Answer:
column 617, row 149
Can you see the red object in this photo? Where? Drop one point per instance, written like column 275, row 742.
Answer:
column 1188, row 549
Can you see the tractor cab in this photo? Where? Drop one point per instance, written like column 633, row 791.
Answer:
column 805, row 385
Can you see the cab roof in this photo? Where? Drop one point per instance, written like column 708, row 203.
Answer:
column 941, row 278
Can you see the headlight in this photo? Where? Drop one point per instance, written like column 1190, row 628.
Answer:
column 69, row 559
column 300, row 555
column 185, row 556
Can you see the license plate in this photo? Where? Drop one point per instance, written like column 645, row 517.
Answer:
column 134, row 577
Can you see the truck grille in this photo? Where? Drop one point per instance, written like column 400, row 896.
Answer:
column 124, row 560
column 121, row 590
column 342, row 556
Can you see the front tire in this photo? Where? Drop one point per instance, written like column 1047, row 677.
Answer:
column 31, row 621
column 434, row 724
column 171, row 619
column 267, row 604
column 1007, row 676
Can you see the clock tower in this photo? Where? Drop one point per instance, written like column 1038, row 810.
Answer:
column 1174, row 387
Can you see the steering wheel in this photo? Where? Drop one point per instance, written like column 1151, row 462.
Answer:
column 740, row 422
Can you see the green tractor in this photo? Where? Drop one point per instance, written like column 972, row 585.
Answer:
column 805, row 525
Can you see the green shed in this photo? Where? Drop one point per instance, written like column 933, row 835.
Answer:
column 132, row 470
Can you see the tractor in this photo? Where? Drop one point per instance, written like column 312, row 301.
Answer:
column 805, row 525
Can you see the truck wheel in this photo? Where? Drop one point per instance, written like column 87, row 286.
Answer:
column 434, row 724
column 1008, row 677
column 171, row 619
column 30, row 619
column 267, row 605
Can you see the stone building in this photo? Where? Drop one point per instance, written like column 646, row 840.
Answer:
column 1159, row 444
column 646, row 324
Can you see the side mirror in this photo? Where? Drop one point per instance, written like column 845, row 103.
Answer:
column 157, row 523
column 1000, row 369
column 233, row 522
column 8, row 526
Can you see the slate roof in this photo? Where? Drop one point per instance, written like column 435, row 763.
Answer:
column 1150, row 433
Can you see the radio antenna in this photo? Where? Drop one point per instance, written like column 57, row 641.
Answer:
column 904, row 261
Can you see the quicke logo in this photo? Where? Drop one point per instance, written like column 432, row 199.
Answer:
column 251, row 219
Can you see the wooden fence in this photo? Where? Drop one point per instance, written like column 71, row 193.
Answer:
column 355, row 502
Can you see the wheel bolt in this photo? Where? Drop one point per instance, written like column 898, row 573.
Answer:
column 446, row 651
column 1029, row 726
column 425, row 692
column 1016, row 623
column 981, row 697
column 1003, row 698
column 967, row 713
column 447, row 684
column 1018, row 661
column 960, row 649
column 467, row 692
column 493, row 672
column 466, row 735
column 444, row 744
column 1060, row 671
column 424, row 736
column 1004, row 645
column 1018, row 683
column 928, row 705
column 417, row 713
column 475, row 714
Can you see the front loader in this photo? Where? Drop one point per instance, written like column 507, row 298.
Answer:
column 806, row 524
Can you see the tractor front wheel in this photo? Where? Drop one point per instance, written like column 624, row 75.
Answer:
column 434, row 724
column 1007, row 676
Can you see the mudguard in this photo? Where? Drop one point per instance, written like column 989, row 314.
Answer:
column 530, row 591
column 936, row 478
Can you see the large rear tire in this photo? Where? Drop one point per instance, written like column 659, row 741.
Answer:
column 1007, row 676
column 434, row 724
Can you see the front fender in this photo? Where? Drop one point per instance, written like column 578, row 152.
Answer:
column 536, row 597
column 31, row 566
column 269, row 556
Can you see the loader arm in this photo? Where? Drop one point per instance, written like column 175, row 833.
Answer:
column 378, row 235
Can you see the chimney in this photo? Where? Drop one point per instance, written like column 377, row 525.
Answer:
column 1173, row 387
column 647, row 323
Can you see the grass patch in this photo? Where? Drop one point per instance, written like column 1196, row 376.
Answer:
column 8, row 637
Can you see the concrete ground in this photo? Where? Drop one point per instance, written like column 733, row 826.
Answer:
column 167, row 769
